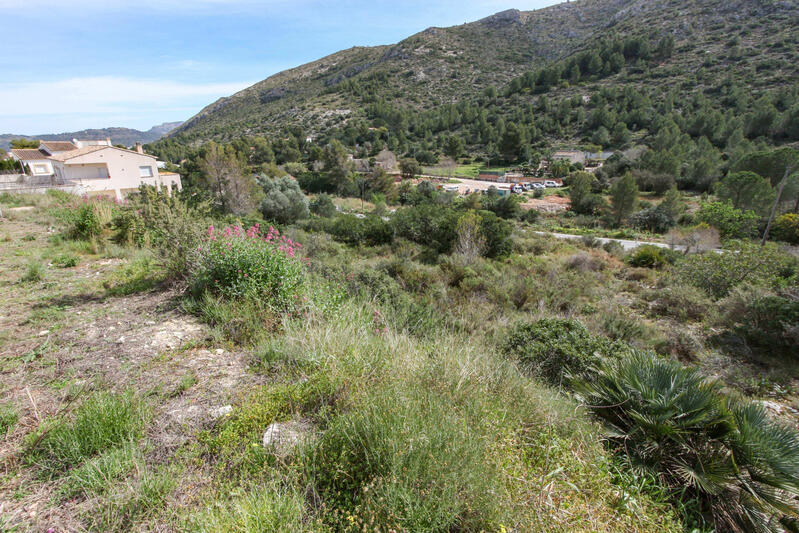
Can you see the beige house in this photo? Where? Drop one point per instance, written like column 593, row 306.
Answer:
column 96, row 167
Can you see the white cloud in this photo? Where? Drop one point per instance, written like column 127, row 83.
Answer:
column 104, row 94
column 102, row 101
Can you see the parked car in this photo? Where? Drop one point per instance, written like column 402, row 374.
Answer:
column 517, row 189
column 539, row 186
column 550, row 183
column 527, row 186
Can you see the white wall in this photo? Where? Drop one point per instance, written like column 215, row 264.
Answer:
column 110, row 170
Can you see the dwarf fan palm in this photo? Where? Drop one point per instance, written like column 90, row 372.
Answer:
column 741, row 466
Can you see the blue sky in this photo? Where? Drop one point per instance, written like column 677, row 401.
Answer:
column 98, row 63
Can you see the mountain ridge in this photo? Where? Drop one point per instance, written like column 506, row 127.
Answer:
column 118, row 135
column 454, row 64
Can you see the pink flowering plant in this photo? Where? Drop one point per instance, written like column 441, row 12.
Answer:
column 238, row 263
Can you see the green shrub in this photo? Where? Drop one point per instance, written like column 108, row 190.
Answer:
column 679, row 301
column 88, row 220
column 103, row 421
column 236, row 263
column 33, row 272
column 323, row 206
column 283, row 200
column 786, row 228
column 668, row 420
column 649, row 256
column 65, row 260
column 764, row 319
column 622, row 326
column 164, row 222
column 732, row 223
column 370, row 231
column 741, row 262
column 556, row 348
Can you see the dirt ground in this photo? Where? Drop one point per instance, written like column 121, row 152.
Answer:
column 63, row 337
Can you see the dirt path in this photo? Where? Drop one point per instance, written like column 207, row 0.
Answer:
column 63, row 337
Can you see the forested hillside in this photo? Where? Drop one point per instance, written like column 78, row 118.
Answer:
column 609, row 73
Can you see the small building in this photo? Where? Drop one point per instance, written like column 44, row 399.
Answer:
column 34, row 160
column 91, row 167
column 100, row 169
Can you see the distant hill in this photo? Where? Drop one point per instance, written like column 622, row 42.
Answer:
column 126, row 136
column 713, row 45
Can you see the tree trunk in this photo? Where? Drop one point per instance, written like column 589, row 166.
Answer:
column 776, row 203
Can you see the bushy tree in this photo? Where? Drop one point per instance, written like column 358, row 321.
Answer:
column 746, row 191
column 283, row 200
column 322, row 206
column 732, row 223
column 583, row 200
column 409, row 168
column 623, row 198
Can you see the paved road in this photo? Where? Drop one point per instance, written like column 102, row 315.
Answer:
column 626, row 244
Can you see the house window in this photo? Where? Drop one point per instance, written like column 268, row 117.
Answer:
column 146, row 172
column 40, row 169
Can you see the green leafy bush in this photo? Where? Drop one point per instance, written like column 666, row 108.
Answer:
column 371, row 230
column 323, row 206
column 732, row 223
column 668, row 420
column 87, row 220
column 683, row 302
column 766, row 320
column 741, row 262
column 167, row 223
column 649, row 256
column 786, row 228
column 236, row 263
column 65, row 260
column 556, row 348
column 283, row 200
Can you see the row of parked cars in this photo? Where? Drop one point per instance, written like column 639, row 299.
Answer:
column 521, row 187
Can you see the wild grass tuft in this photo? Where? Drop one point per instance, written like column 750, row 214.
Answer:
column 34, row 271
column 104, row 421
column 265, row 508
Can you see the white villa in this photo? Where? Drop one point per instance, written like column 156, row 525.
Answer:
column 94, row 167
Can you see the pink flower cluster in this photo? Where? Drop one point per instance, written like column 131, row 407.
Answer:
column 273, row 237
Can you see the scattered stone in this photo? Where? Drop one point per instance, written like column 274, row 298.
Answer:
column 121, row 340
column 773, row 406
column 219, row 351
column 44, row 332
column 219, row 412
column 283, row 436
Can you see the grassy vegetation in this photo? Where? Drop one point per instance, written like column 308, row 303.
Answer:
column 431, row 387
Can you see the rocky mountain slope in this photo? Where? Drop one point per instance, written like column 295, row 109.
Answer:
column 126, row 136
column 443, row 65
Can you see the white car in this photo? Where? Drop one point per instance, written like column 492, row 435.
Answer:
column 549, row 183
column 539, row 186
column 517, row 189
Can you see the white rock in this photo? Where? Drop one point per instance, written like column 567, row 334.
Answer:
column 219, row 412
column 283, row 436
column 219, row 351
column 44, row 332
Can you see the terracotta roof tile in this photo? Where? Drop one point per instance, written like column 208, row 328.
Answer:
column 58, row 146
column 29, row 154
